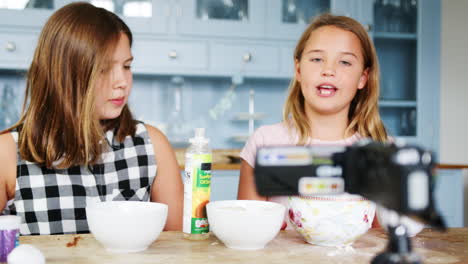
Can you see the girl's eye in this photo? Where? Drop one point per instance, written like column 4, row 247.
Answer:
column 346, row 63
column 315, row 59
column 127, row 67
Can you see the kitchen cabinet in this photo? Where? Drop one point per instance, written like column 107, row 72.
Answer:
column 28, row 14
column 214, row 18
column 142, row 16
column 224, row 185
column 407, row 35
column 16, row 50
column 449, row 196
column 167, row 57
column 287, row 19
column 256, row 38
column 244, row 58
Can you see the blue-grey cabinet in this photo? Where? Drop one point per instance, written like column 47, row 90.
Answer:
column 286, row 19
column 142, row 16
column 406, row 34
column 234, row 18
column 17, row 49
column 224, row 185
column 449, row 196
column 28, row 14
column 256, row 38
column 170, row 56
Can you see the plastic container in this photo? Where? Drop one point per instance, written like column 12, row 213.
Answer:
column 197, row 181
column 9, row 235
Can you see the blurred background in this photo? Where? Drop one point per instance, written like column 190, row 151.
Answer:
column 226, row 65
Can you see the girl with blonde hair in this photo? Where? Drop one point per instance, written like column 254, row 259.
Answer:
column 76, row 141
column 333, row 96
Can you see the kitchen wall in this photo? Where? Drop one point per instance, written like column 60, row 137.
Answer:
column 454, row 83
column 454, row 88
column 152, row 100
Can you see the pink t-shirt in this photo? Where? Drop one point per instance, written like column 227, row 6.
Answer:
column 277, row 135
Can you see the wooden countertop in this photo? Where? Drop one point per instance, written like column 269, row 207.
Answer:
column 287, row 247
column 222, row 162
column 452, row 166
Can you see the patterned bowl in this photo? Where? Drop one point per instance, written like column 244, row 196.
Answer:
column 336, row 220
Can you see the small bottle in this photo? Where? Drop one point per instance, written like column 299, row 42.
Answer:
column 9, row 234
column 197, row 181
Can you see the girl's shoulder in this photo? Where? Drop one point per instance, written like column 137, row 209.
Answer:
column 273, row 128
column 142, row 128
column 8, row 141
column 275, row 134
column 8, row 162
column 146, row 131
column 339, row 142
column 155, row 135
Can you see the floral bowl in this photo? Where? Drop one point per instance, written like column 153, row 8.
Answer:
column 336, row 220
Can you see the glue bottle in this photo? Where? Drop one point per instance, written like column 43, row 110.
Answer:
column 197, row 181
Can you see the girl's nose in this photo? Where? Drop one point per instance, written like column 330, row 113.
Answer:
column 328, row 70
column 119, row 80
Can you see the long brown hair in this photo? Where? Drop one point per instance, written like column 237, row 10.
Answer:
column 363, row 113
column 58, row 125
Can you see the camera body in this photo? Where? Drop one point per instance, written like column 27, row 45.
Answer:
column 396, row 176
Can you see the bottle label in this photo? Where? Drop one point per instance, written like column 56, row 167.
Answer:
column 9, row 240
column 197, row 183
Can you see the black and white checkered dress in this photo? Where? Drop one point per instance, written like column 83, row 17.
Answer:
column 53, row 201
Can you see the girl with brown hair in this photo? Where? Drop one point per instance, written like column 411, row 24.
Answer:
column 333, row 96
column 76, row 141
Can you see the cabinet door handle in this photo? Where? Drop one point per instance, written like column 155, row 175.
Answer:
column 172, row 54
column 247, row 57
column 10, row 46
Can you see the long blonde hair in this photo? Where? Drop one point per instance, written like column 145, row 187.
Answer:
column 58, row 120
column 363, row 113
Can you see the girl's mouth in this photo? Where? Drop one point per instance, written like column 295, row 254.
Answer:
column 326, row 90
column 118, row 101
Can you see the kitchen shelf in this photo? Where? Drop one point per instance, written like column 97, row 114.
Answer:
column 397, row 103
column 240, row 138
column 248, row 116
column 393, row 35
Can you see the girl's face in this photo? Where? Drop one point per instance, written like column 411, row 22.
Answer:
column 330, row 70
column 115, row 83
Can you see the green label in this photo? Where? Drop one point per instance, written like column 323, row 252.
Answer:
column 202, row 172
column 201, row 181
column 203, row 177
column 200, row 226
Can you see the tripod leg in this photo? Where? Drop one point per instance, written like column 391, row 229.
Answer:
column 398, row 249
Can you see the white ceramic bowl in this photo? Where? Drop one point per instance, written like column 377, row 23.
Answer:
column 245, row 224
column 336, row 220
column 126, row 226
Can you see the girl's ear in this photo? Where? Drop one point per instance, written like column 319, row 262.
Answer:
column 363, row 79
column 297, row 70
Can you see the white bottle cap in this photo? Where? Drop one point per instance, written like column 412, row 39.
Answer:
column 10, row 222
column 199, row 136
